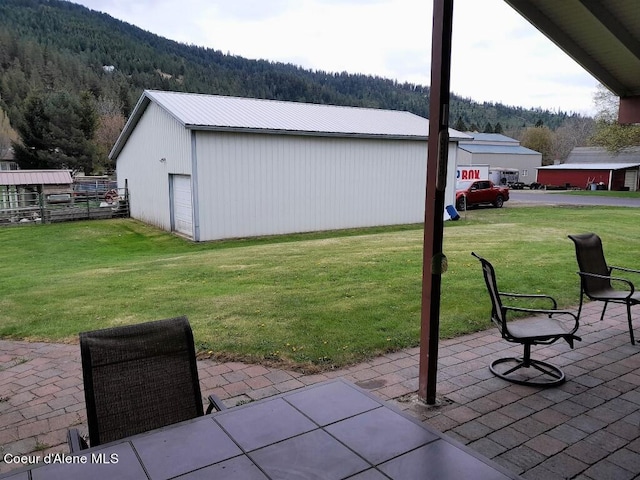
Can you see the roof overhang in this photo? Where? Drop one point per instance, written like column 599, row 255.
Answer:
column 591, row 166
column 602, row 36
column 306, row 133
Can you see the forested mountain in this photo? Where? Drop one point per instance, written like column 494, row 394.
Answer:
column 62, row 62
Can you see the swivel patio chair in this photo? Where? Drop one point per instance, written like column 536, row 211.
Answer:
column 138, row 378
column 596, row 280
column 545, row 327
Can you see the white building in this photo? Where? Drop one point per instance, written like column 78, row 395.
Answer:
column 212, row 167
column 500, row 152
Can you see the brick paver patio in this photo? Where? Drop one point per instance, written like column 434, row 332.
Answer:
column 587, row 428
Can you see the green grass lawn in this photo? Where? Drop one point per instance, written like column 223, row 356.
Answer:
column 309, row 301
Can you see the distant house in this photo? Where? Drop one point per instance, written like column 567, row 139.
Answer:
column 500, row 152
column 587, row 166
column 8, row 165
column 7, row 159
column 211, row 167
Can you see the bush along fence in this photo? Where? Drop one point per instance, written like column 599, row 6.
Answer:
column 20, row 207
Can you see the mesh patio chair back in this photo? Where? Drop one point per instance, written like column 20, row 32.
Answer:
column 497, row 313
column 590, row 257
column 138, row 378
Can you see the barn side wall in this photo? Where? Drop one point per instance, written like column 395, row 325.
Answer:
column 576, row 178
column 256, row 184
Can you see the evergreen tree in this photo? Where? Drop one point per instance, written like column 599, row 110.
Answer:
column 32, row 131
column 460, row 125
column 57, row 132
column 488, row 128
column 498, row 128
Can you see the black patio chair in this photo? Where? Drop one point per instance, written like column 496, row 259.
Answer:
column 596, row 280
column 138, row 378
column 542, row 329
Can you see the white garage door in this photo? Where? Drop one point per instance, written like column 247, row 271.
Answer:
column 182, row 207
column 631, row 179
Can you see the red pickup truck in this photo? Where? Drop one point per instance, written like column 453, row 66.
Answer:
column 480, row 192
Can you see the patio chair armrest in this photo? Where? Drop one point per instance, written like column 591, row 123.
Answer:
column 549, row 313
column 75, row 441
column 624, row 269
column 215, row 403
column 629, row 284
column 542, row 311
column 530, row 295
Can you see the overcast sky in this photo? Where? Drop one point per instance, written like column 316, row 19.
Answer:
column 497, row 55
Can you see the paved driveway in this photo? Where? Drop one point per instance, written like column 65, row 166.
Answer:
column 541, row 197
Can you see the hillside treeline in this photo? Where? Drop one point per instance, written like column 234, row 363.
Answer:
column 61, row 62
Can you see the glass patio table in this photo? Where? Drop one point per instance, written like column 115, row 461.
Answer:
column 332, row 430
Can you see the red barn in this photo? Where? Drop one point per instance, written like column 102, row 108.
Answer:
column 586, row 166
column 614, row 176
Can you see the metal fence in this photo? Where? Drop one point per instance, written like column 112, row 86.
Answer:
column 32, row 207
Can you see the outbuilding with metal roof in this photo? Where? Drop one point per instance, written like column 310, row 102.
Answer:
column 500, row 153
column 589, row 166
column 211, row 167
column 605, row 176
column 20, row 188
